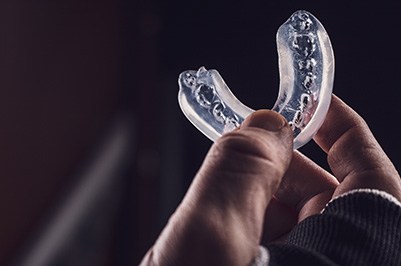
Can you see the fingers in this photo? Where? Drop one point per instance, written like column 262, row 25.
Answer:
column 303, row 181
column 253, row 158
column 304, row 191
column 242, row 172
column 244, row 168
column 279, row 220
column 354, row 155
column 220, row 219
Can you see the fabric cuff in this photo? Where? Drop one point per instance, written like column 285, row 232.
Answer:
column 262, row 259
column 375, row 192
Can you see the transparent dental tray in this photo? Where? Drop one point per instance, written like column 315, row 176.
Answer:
column 306, row 66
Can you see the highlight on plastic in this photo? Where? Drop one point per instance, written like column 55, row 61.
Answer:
column 306, row 65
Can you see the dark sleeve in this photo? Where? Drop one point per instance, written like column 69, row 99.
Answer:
column 359, row 228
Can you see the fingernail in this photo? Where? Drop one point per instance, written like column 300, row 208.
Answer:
column 265, row 119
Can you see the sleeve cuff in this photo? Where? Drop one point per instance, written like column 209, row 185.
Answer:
column 375, row 192
column 262, row 259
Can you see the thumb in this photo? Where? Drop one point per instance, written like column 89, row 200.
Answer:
column 238, row 178
column 220, row 220
column 248, row 164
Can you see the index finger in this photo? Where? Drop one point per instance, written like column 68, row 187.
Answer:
column 354, row 155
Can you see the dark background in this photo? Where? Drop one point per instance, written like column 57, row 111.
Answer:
column 69, row 69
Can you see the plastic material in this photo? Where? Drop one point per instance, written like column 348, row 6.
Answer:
column 306, row 65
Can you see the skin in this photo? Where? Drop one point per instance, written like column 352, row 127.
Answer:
column 253, row 188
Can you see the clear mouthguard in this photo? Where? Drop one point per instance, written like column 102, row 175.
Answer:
column 306, row 65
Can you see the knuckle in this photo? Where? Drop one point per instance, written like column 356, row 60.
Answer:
column 243, row 144
column 251, row 149
column 247, row 157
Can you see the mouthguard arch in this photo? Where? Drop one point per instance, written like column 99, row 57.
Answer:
column 306, row 65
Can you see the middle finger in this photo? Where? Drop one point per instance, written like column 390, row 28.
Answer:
column 304, row 181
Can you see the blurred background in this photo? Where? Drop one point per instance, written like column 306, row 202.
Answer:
column 95, row 153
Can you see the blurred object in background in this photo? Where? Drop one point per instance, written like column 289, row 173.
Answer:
column 82, row 230
column 61, row 88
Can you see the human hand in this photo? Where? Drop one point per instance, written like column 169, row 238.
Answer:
column 221, row 219
column 219, row 222
column 356, row 161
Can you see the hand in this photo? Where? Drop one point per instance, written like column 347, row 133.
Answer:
column 223, row 215
column 220, row 220
column 356, row 161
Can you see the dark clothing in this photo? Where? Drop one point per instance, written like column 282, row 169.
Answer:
column 359, row 228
